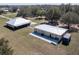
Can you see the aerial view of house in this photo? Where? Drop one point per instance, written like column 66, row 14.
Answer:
column 17, row 22
column 53, row 34
column 39, row 29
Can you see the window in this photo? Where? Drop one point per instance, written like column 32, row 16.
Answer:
column 56, row 38
column 42, row 34
column 35, row 31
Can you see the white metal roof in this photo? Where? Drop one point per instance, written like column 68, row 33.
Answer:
column 18, row 21
column 67, row 35
column 52, row 29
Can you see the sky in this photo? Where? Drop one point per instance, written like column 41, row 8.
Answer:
column 35, row 2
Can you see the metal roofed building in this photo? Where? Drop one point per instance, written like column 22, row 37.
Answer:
column 18, row 21
column 55, row 33
column 51, row 29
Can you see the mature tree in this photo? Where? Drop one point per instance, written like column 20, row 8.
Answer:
column 34, row 11
column 62, row 8
column 65, row 8
column 70, row 18
column 30, row 11
column 40, row 12
column 1, row 11
column 4, row 48
column 68, row 8
column 53, row 14
column 25, row 12
column 76, row 9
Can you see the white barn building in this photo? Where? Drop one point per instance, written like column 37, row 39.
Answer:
column 53, row 32
column 18, row 21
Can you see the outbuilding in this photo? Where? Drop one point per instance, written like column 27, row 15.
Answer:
column 55, row 33
column 17, row 22
column 66, row 39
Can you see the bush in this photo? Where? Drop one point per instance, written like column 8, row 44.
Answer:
column 4, row 48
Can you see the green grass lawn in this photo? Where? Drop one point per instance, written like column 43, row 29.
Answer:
column 10, row 15
column 37, row 21
column 23, row 43
column 2, row 21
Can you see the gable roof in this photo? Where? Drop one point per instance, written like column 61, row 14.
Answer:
column 52, row 29
column 18, row 21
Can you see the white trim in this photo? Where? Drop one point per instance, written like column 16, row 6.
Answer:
column 44, row 39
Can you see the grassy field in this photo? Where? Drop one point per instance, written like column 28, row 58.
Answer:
column 10, row 15
column 23, row 43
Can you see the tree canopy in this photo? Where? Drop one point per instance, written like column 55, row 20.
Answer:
column 70, row 18
column 53, row 14
column 41, row 12
column 29, row 11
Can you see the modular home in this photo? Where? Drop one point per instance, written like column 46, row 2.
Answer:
column 18, row 21
column 55, row 33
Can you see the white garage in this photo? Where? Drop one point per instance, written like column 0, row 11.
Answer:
column 18, row 21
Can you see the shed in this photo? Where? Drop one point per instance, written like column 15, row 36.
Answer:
column 18, row 21
column 66, row 38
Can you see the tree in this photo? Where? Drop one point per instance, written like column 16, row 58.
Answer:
column 34, row 11
column 68, row 8
column 4, row 48
column 76, row 9
column 65, row 8
column 40, row 12
column 24, row 12
column 53, row 14
column 70, row 18
column 30, row 11
column 1, row 11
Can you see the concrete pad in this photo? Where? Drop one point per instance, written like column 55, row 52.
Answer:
column 44, row 39
column 33, row 23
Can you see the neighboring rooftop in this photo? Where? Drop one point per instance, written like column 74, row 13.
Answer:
column 52, row 29
column 18, row 21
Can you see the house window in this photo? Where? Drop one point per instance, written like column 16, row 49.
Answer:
column 56, row 38
column 36, row 30
column 42, row 34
